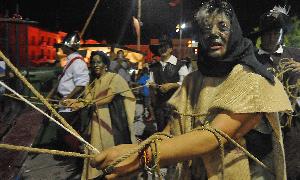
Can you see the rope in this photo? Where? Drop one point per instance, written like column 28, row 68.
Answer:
column 244, row 150
column 292, row 90
column 143, row 145
column 99, row 99
column 36, row 93
column 192, row 115
column 51, row 118
column 158, row 136
column 89, row 18
column 44, row 151
column 221, row 145
column 87, row 88
column 91, row 102
column 37, row 103
column 30, row 97
column 206, row 127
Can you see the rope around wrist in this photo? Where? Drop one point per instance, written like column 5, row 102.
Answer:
column 147, row 143
column 150, row 160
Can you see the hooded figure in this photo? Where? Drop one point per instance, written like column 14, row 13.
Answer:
column 229, row 78
column 230, row 92
column 283, row 62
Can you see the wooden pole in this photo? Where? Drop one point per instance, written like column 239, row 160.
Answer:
column 89, row 19
column 139, row 19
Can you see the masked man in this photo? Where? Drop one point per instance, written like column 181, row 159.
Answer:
column 168, row 74
column 274, row 25
column 230, row 92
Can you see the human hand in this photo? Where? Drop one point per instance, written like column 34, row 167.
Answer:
column 124, row 169
column 153, row 85
column 74, row 104
column 294, row 65
column 167, row 87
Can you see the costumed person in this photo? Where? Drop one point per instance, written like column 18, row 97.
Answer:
column 113, row 114
column 71, row 84
column 230, row 92
column 166, row 76
column 284, row 62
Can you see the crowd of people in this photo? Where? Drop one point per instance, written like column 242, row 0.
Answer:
column 237, row 89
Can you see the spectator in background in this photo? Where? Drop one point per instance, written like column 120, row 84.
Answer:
column 166, row 77
column 120, row 65
column 142, row 80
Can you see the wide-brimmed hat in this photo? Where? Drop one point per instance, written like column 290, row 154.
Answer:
column 276, row 18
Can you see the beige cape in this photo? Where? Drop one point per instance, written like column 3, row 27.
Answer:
column 100, row 127
column 242, row 91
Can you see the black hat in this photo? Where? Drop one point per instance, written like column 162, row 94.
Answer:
column 274, row 19
column 164, row 41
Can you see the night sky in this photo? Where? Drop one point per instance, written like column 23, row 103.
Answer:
column 112, row 20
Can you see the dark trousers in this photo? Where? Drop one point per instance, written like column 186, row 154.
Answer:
column 162, row 116
column 65, row 139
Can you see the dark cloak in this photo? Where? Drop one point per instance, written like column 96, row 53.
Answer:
column 119, row 121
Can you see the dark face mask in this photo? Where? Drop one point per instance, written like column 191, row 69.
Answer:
column 271, row 40
column 215, row 32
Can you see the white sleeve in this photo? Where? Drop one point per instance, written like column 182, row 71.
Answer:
column 151, row 77
column 183, row 71
column 80, row 73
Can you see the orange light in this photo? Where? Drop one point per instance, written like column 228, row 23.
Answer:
column 189, row 43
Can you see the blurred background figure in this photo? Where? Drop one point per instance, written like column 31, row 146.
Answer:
column 188, row 63
column 166, row 77
column 144, row 121
column 121, row 66
column 284, row 62
column 12, row 108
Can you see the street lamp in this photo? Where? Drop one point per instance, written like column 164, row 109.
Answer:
column 179, row 29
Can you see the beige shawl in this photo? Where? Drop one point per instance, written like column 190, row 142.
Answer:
column 240, row 92
column 100, row 127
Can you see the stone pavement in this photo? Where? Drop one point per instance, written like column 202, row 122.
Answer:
column 46, row 167
column 23, row 133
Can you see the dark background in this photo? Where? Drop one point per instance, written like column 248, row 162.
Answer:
column 113, row 18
